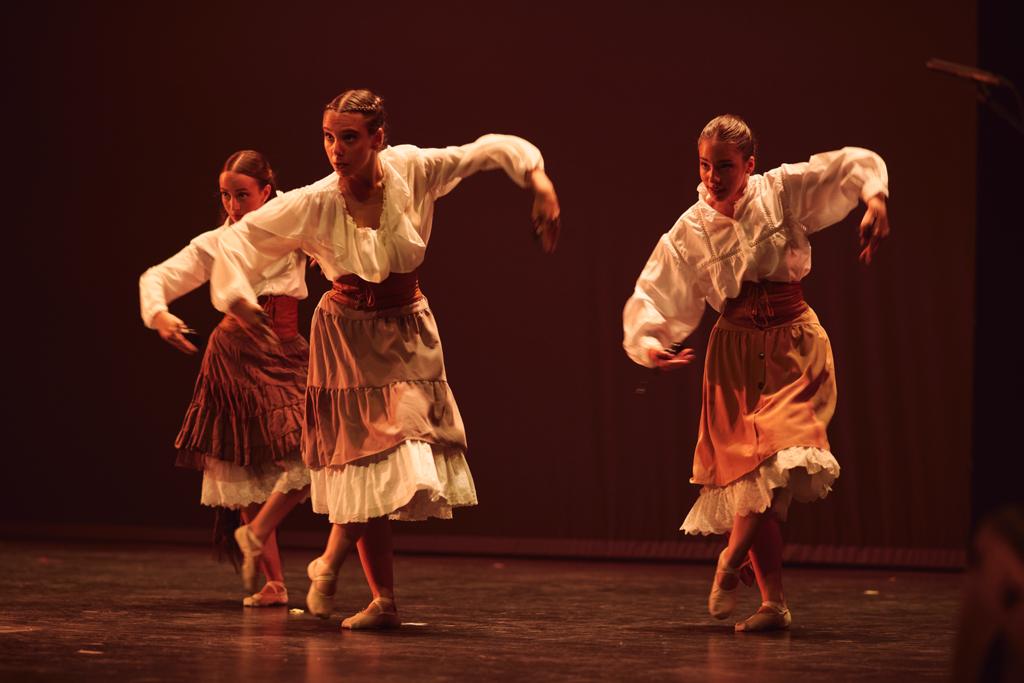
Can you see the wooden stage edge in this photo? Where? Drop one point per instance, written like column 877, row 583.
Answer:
column 683, row 550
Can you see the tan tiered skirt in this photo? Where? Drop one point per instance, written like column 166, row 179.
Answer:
column 383, row 435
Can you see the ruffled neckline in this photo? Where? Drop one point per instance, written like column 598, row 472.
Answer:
column 394, row 246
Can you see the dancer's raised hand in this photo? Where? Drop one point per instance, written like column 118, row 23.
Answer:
column 546, row 212
column 874, row 227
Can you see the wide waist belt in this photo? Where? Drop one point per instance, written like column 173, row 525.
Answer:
column 766, row 304
column 398, row 289
column 284, row 314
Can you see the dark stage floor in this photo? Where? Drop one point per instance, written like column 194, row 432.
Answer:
column 82, row 612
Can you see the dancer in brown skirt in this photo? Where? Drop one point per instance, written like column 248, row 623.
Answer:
column 243, row 428
column 769, row 381
column 383, row 436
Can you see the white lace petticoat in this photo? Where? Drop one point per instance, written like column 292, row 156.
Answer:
column 228, row 485
column 801, row 473
column 411, row 482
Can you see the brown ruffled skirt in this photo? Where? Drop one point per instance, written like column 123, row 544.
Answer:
column 248, row 402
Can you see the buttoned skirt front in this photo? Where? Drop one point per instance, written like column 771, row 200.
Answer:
column 769, row 393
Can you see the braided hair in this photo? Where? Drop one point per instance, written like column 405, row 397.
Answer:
column 364, row 102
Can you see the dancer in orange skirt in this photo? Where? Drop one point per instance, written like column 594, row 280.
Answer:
column 243, row 428
column 769, row 381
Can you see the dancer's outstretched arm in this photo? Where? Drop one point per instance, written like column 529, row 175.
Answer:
column 167, row 281
column 824, row 189
column 443, row 169
column 666, row 307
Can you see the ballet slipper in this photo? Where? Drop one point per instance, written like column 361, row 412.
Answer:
column 252, row 549
column 275, row 596
column 722, row 602
column 319, row 604
column 771, row 616
column 379, row 614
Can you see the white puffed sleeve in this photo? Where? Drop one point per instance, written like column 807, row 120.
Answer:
column 445, row 167
column 177, row 276
column 821, row 191
column 666, row 306
column 246, row 248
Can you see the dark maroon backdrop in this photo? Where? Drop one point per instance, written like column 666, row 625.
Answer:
column 124, row 115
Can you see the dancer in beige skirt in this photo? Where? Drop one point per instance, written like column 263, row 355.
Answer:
column 769, row 381
column 383, row 436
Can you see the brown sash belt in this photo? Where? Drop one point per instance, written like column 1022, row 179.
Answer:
column 766, row 304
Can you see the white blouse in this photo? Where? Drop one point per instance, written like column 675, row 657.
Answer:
column 193, row 265
column 706, row 256
column 314, row 218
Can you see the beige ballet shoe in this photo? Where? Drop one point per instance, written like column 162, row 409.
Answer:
column 722, row 602
column 273, row 594
column 319, row 604
column 252, row 549
column 379, row 614
column 771, row 616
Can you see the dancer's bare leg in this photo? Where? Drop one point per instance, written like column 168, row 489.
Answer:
column 378, row 565
column 342, row 539
column 274, row 511
column 377, row 557
column 766, row 557
column 741, row 539
column 270, row 559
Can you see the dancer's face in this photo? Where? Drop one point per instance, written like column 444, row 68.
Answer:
column 723, row 170
column 350, row 148
column 240, row 194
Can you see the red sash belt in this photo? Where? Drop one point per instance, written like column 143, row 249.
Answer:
column 766, row 304
column 284, row 314
column 398, row 289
